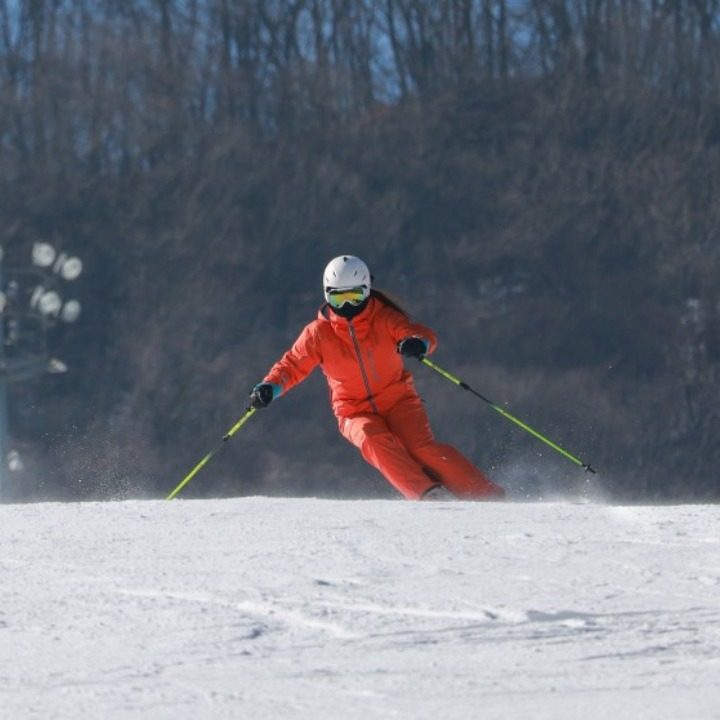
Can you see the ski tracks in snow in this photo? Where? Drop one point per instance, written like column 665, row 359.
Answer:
column 310, row 608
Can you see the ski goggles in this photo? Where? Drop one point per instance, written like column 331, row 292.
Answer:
column 354, row 296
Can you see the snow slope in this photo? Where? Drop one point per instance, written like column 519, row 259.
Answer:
column 287, row 608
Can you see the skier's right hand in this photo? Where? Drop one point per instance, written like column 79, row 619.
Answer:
column 262, row 395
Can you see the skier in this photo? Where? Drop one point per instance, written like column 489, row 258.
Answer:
column 359, row 339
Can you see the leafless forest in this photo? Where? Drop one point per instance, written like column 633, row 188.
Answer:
column 537, row 179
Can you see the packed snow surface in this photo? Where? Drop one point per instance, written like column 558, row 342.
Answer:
column 287, row 608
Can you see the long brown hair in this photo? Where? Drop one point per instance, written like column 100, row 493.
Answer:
column 385, row 299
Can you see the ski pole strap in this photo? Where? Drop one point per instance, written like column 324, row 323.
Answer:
column 509, row 416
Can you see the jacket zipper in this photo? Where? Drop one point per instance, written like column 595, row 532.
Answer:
column 362, row 366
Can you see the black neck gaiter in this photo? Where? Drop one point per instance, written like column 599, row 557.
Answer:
column 349, row 311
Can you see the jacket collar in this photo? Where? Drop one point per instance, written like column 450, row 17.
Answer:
column 361, row 322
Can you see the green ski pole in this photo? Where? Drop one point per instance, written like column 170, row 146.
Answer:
column 457, row 381
column 248, row 414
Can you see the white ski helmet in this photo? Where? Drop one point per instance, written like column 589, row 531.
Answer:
column 346, row 272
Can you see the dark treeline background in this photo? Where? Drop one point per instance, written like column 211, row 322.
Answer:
column 536, row 179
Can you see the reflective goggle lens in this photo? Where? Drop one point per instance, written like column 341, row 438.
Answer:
column 354, row 296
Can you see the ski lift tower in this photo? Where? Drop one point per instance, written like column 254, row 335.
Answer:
column 30, row 304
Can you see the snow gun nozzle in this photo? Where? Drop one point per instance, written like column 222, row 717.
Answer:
column 590, row 468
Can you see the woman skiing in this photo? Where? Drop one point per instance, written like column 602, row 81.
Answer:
column 358, row 339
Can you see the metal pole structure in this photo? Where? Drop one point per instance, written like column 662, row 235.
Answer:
column 3, row 398
column 45, row 304
column 3, row 435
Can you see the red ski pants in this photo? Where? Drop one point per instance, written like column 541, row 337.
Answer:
column 400, row 444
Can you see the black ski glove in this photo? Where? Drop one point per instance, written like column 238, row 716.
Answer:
column 262, row 395
column 413, row 347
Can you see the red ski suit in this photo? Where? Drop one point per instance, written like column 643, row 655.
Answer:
column 374, row 399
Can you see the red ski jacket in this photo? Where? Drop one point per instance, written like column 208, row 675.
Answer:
column 359, row 358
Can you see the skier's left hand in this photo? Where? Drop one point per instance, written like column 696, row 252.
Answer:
column 414, row 347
